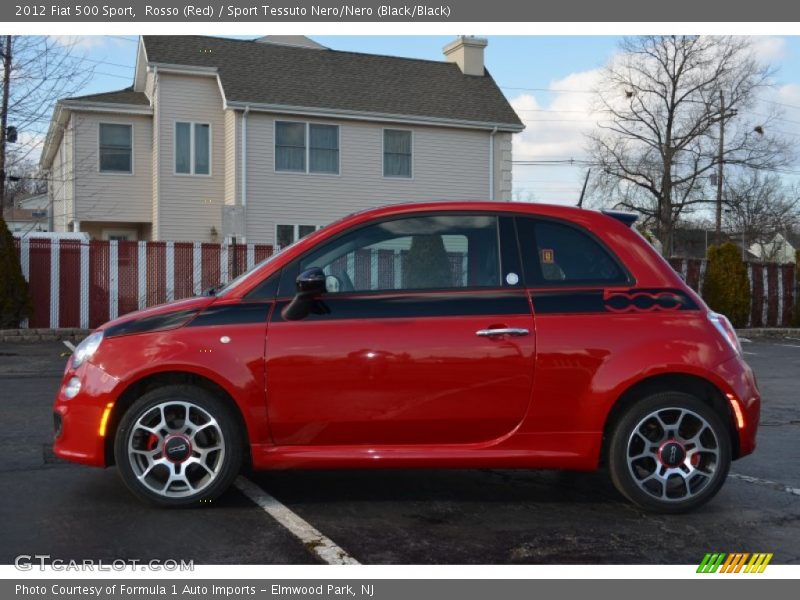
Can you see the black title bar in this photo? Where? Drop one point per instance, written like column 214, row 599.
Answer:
column 203, row 11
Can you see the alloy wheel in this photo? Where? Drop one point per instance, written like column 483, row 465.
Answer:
column 176, row 449
column 673, row 454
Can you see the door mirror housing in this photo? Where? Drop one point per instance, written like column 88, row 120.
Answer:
column 310, row 284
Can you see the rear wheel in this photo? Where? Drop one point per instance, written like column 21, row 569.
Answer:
column 178, row 445
column 670, row 452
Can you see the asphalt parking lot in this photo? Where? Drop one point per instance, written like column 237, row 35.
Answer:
column 389, row 517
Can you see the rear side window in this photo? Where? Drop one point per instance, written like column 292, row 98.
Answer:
column 557, row 253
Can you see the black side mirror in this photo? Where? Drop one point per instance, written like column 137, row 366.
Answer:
column 310, row 285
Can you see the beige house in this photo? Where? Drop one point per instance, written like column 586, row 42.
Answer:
column 268, row 139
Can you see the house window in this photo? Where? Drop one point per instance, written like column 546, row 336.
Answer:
column 289, row 234
column 192, row 148
column 396, row 153
column 119, row 235
column 306, row 147
column 116, row 148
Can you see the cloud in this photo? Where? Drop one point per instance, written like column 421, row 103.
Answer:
column 788, row 94
column 769, row 48
column 555, row 122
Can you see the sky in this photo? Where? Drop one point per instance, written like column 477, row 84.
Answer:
column 547, row 79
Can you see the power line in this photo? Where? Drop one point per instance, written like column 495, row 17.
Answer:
column 105, row 62
column 565, row 91
column 127, row 39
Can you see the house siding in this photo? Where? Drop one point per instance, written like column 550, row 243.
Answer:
column 111, row 196
column 60, row 184
column 189, row 205
column 502, row 181
column 447, row 164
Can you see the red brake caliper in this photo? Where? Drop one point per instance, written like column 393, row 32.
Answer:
column 152, row 441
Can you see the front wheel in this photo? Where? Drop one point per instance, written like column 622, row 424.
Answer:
column 669, row 453
column 178, row 445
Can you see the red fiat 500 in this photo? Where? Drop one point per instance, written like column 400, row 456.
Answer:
column 460, row 334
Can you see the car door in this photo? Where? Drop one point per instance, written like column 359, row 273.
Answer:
column 425, row 336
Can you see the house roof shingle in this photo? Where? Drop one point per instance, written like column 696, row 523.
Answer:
column 273, row 74
column 123, row 96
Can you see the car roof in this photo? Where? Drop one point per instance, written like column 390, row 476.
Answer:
column 473, row 205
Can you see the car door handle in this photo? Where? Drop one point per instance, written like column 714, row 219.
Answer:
column 502, row 331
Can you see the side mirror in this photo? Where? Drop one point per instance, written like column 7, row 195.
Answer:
column 310, row 284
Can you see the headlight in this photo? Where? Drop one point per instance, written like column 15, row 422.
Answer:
column 86, row 349
column 725, row 328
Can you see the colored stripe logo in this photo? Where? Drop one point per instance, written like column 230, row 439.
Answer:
column 737, row 562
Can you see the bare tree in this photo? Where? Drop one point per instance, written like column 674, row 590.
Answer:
column 37, row 71
column 665, row 100
column 758, row 208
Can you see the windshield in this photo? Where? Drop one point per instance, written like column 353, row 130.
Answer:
column 247, row 274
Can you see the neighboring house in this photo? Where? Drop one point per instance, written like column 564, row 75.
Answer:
column 28, row 214
column 694, row 243
column 280, row 135
column 777, row 250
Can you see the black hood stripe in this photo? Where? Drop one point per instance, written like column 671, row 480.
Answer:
column 168, row 320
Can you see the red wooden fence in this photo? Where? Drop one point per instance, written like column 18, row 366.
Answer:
column 773, row 289
column 85, row 283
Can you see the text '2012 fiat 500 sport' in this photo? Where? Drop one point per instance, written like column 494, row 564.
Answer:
column 447, row 335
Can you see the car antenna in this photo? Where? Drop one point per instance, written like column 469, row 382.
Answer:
column 583, row 191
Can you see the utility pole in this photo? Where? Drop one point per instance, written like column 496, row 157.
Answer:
column 718, row 235
column 6, row 55
column 721, row 164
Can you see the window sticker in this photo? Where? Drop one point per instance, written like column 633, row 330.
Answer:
column 548, row 256
column 512, row 279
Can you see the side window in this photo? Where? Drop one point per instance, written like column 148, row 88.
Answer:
column 397, row 153
column 557, row 253
column 417, row 253
column 116, row 148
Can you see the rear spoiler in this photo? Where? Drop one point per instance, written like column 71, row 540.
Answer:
column 627, row 218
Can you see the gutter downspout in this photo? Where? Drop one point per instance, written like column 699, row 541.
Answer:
column 155, row 102
column 244, row 170
column 491, row 163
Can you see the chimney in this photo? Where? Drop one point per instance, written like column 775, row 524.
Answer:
column 467, row 52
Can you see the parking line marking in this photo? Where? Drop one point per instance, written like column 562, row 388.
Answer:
column 69, row 345
column 766, row 483
column 789, row 345
column 319, row 544
column 750, row 353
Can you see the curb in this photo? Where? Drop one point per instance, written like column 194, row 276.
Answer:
column 770, row 332
column 42, row 335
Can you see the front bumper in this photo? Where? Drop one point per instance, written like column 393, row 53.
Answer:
column 743, row 393
column 79, row 435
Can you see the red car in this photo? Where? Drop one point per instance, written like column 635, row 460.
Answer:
column 452, row 335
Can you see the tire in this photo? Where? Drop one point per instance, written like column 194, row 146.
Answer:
column 669, row 453
column 169, row 460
